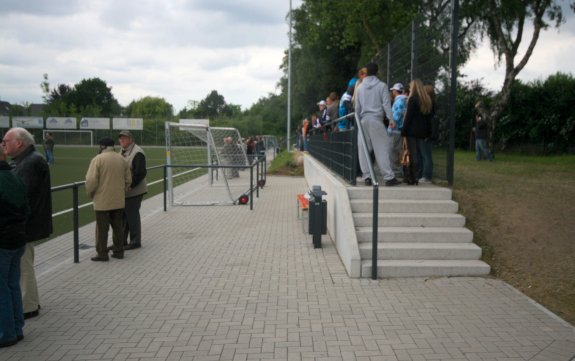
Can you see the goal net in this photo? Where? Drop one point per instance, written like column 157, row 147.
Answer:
column 70, row 137
column 206, row 165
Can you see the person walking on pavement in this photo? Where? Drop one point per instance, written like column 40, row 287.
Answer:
column 138, row 188
column 31, row 167
column 49, row 147
column 14, row 210
column 373, row 105
column 107, row 180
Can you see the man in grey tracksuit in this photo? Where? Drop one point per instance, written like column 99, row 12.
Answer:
column 372, row 105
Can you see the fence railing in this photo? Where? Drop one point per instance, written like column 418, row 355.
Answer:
column 259, row 163
column 338, row 150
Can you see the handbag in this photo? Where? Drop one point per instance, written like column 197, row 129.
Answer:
column 404, row 157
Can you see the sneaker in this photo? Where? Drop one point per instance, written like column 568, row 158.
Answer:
column 392, row 182
column 368, row 181
column 424, row 180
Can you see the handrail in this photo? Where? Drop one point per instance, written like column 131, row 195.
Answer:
column 260, row 182
column 375, row 210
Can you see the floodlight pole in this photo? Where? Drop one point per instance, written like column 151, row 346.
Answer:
column 289, row 83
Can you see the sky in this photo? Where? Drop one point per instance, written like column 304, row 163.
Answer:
column 181, row 50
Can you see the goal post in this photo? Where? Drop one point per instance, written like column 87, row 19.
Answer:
column 204, row 164
column 70, row 136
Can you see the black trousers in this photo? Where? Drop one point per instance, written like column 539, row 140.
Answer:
column 105, row 219
column 132, row 222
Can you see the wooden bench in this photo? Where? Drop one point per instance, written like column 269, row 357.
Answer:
column 302, row 208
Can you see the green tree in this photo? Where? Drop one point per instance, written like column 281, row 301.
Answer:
column 150, row 107
column 94, row 96
column 504, row 22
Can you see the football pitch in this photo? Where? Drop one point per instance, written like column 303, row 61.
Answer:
column 71, row 166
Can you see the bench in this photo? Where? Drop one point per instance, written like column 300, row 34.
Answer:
column 302, row 208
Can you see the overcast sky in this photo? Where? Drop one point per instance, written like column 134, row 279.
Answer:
column 181, row 50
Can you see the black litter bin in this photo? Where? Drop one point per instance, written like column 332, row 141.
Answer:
column 317, row 215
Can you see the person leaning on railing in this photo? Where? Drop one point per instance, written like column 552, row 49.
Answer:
column 14, row 210
column 32, row 168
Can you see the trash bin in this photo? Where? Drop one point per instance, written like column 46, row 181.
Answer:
column 317, row 215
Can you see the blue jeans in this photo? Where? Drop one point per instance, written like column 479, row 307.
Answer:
column 11, row 310
column 425, row 150
column 50, row 156
column 481, row 150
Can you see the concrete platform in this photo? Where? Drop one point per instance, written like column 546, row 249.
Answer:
column 227, row 283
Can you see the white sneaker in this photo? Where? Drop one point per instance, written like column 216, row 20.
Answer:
column 424, row 181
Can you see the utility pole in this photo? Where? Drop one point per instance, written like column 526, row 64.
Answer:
column 289, row 83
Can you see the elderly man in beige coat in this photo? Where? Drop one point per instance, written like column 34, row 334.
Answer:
column 107, row 180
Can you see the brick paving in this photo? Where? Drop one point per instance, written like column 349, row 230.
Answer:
column 227, row 283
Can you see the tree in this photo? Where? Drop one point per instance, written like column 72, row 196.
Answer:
column 504, row 23
column 90, row 97
column 94, row 96
column 214, row 106
column 150, row 107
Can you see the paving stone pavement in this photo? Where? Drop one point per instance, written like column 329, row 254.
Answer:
column 227, row 283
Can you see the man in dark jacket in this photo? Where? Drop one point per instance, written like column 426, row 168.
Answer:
column 13, row 213
column 136, row 159
column 34, row 171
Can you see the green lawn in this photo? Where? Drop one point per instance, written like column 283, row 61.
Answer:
column 71, row 166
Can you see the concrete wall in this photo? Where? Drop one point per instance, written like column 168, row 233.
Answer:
column 339, row 217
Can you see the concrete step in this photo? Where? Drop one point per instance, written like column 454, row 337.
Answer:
column 427, row 192
column 426, row 268
column 406, row 206
column 417, row 234
column 410, row 220
column 422, row 251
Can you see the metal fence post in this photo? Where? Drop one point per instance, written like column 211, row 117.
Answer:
column 76, row 224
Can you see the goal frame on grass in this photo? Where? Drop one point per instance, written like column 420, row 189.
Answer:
column 206, row 150
column 57, row 140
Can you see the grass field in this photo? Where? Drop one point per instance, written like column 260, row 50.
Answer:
column 71, row 166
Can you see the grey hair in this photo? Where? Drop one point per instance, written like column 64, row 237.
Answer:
column 23, row 135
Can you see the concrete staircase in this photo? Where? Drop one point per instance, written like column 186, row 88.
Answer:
column 420, row 233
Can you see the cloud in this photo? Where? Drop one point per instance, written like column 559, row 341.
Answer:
column 178, row 49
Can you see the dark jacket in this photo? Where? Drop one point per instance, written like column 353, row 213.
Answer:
column 481, row 130
column 416, row 124
column 14, row 209
column 33, row 170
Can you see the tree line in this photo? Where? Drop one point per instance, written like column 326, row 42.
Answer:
column 332, row 39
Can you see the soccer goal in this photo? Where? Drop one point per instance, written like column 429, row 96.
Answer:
column 70, row 136
column 206, row 165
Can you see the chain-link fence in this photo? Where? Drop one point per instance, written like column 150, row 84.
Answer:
column 421, row 50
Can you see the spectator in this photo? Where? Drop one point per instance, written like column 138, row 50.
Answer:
column 107, row 180
column 323, row 114
column 14, row 210
column 34, row 172
column 346, row 105
column 399, row 104
column 299, row 136
column 137, row 161
column 372, row 104
column 425, row 147
column 315, row 121
column 361, row 74
column 49, row 147
column 416, row 126
column 332, row 103
column 305, row 133
column 481, row 149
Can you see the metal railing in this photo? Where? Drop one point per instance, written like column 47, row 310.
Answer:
column 260, row 180
column 325, row 145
